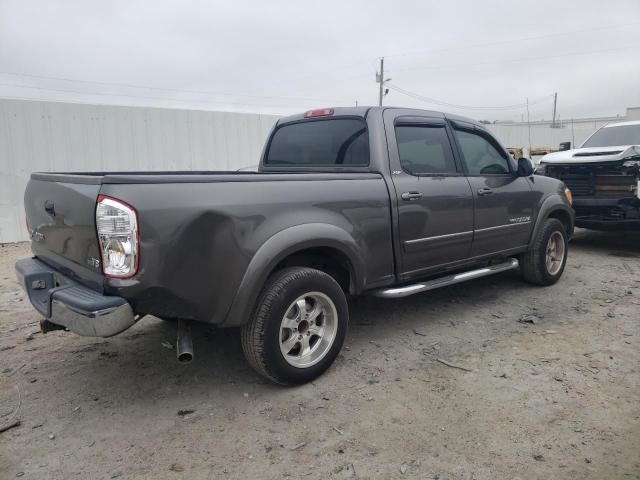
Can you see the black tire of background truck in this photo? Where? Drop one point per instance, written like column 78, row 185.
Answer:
column 533, row 263
column 261, row 335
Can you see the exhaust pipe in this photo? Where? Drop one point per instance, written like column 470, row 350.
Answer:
column 184, row 342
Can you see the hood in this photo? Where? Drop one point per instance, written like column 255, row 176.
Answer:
column 592, row 154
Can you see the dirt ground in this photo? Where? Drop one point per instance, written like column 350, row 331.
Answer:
column 553, row 399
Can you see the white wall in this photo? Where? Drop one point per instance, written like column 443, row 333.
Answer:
column 633, row 113
column 48, row 136
column 542, row 135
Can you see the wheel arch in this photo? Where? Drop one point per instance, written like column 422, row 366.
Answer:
column 565, row 217
column 553, row 206
column 312, row 245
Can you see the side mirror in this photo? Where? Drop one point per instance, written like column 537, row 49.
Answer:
column 565, row 146
column 525, row 168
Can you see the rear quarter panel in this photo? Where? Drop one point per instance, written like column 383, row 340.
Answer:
column 198, row 239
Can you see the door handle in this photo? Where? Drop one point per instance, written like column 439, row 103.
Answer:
column 485, row 191
column 411, row 196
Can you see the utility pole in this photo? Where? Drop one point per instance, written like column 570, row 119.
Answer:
column 573, row 140
column 380, row 80
column 529, row 125
column 555, row 101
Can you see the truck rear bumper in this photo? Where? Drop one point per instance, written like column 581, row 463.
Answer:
column 67, row 303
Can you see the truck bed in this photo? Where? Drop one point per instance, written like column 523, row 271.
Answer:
column 200, row 230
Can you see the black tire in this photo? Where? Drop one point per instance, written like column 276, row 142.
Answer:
column 533, row 264
column 261, row 336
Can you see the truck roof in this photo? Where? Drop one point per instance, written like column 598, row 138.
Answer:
column 363, row 111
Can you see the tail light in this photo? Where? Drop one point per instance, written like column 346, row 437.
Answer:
column 117, row 225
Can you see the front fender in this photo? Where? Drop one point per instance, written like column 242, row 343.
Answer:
column 280, row 246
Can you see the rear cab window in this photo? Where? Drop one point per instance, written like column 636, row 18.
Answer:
column 335, row 142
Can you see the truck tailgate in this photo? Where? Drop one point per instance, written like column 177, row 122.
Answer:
column 60, row 212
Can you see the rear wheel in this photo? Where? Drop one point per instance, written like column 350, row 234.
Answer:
column 545, row 262
column 298, row 327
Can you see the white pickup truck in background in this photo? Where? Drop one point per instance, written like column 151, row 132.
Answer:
column 603, row 175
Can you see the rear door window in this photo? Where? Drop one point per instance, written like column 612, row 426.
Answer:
column 334, row 142
column 425, row 149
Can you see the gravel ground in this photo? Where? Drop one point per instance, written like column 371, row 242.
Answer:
column 553, row 399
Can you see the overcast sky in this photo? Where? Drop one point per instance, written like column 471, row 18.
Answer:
column 287, row 56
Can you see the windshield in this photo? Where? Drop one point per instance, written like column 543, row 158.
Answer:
column 613, row 136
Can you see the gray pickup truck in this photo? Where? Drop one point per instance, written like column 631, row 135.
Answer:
column 348, row 201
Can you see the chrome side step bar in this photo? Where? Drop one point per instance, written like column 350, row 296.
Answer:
column 405, row 291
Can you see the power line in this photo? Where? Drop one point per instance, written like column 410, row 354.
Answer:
column 352, row 66
column 145, row 97
column 313, row 99
column 340, row 67
column 442, row 103
column 146, row 87
column 517, row 60
column 513, row 40
column 492, row 62
column 80, row 102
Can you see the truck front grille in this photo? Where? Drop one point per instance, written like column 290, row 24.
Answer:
column 579, row 184
column 616, row 185
column 595, row 181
